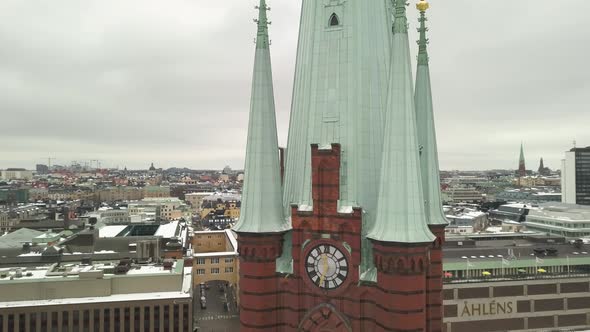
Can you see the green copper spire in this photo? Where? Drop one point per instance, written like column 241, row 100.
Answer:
column 400, row 23
column 400, row 209
column 426, row 130
column 339, row 96
column 262, row 207
column 262, row 40
column 423, row 42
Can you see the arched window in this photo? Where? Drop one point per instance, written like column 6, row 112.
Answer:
column 334, row 20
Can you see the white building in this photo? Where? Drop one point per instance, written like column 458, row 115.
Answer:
column 567, row 220
column 16, row 174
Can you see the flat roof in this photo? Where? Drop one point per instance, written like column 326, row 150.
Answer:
column 183, row 293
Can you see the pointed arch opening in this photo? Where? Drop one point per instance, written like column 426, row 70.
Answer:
column 334, row 21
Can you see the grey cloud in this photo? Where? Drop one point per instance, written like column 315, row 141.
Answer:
column 134, row 81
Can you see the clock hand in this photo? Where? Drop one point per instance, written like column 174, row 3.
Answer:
column 325, row 268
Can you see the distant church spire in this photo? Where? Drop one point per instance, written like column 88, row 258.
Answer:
column 401, row 215
column 541, row 166
column 261, row 210
column 426, row 129
column 521, row 164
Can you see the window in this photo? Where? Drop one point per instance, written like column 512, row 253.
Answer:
column 334, row 20
column 146, row 318
column 229, row 260
column 200, row 271
column 229, row 269
column 200, row 261
column 215, row 270
column 214, row 260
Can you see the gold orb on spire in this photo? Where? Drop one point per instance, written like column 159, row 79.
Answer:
column 423, row 5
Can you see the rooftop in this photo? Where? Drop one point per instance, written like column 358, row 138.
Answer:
column 85, row 283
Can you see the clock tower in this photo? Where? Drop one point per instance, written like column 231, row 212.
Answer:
column 352, row 241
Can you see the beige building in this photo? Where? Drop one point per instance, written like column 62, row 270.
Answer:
column 224, row 204
column 122, row 193
column 533, row 181
column 215, row 256
column 156, row 191
column 37, row 194
column 16, row 174
column 196, row 199
column 158, row 208
column 462, row 195
column 97, row 297
column 6, row 223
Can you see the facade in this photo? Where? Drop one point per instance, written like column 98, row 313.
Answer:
column 38, row 194
column 107, row 296
column 196, row 199
column 16, row 174
column 156, row 191
column 355, row 244
column 6, row 223
column 156, row 209
column 467, row 222
column 565, row 220
column 528, row 196
column 215, row 257
column 120, row 193
column 14, row 195
column 462, row 195
column 227, row 205
column 517, row 283
column 575, row 176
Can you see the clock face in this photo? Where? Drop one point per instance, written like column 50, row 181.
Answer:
column 326, row 266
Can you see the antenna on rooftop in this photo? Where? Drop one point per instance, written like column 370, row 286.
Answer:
column 574, row 142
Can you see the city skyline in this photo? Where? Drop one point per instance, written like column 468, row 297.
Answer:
column 129, row 84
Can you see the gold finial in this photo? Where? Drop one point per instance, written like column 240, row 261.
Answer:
column 423, row 5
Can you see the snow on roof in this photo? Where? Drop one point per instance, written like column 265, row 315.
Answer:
column 98, row 299
column 167, row 230
column 111, row 231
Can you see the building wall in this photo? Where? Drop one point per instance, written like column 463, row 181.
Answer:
column 223, row 267
column 156, row 191
column 568, row 178
column 217, row 267
column 79, row 287
column 153, row 315
column 16, row 175
column 583, row 176
column 535, row 305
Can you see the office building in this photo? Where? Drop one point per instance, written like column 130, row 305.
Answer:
column 575, row 176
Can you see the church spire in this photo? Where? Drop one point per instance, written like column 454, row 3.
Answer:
column 261, row 210
column 262, row 40
column 521, row 164
column 426, row 129
column 400, row 209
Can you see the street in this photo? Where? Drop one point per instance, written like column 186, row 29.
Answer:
column 215, row 317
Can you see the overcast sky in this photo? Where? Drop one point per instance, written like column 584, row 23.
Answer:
column 135, row 81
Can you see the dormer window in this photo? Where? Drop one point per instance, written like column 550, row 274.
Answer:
column 334, row 20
